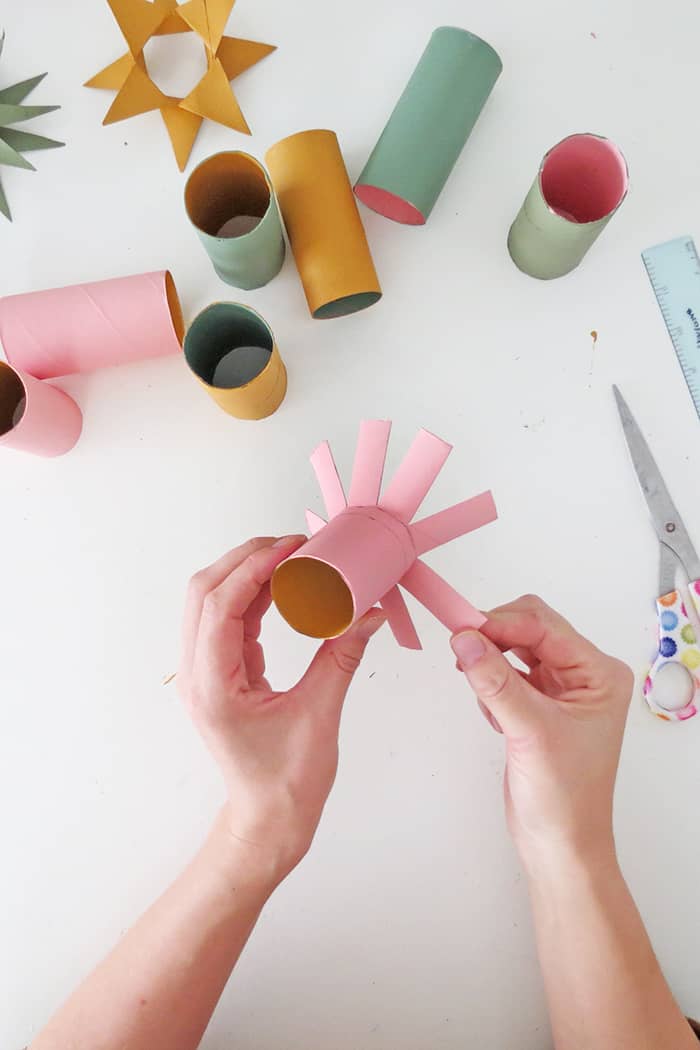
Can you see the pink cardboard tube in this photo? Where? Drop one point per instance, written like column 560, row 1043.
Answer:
column 89, row 326
column 36, row 417
column 365, row 550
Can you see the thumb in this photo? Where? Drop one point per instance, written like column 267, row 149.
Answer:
column 510, row 700
column 332, row 669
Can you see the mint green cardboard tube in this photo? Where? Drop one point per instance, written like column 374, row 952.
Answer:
column 431, row 122
column 231, row 204
column 581, row 183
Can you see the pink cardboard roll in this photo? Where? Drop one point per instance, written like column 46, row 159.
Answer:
column 355, row 560
column 369, row 546
column 36, row 417
column 89, row 326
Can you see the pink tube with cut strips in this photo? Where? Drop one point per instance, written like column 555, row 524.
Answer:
column 89, row 326
column 347, row 567
column 36, row 417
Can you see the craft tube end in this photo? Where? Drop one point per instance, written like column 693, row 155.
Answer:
column 390, row 205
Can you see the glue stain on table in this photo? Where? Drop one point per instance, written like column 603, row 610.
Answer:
column 594, row 340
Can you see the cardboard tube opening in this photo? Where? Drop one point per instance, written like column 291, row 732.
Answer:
column 584, row 178
column 347, row 304
column 174, row 307
column 313, row 597
column 390, row 205
column 13, row 398
column 228, row 345
column 224, row 188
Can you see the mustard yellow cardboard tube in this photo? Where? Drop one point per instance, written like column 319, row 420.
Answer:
column 324, row 226
column 232, row 352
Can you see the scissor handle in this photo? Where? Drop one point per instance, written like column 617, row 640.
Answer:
column 678, row 644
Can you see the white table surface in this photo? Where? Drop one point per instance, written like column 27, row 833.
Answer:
column 408, row 925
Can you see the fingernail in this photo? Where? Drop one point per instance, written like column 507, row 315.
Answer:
column 468, row 648
column 370, row 625
column 289, row 541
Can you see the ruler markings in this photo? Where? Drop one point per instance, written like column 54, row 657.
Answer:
column 674, row 272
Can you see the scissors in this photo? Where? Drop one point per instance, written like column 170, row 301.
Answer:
column 677, row 634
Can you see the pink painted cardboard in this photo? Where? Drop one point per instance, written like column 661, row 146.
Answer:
column 368, row 547
column 50, row 424
column 443, row 601
column 448, row 525
column 89, row 326
column 328, row 479
column 372, row 544
column 416, row 475
column 368, row 467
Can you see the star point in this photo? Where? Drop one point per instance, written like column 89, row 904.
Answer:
column 212, row 98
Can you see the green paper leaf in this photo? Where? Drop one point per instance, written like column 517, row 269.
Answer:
column 17, row 93
column 15, row 114
column 4, row 206
column 26, row 140
column 11, row 157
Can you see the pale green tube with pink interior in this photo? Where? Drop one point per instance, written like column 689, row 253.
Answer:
column 581, row 183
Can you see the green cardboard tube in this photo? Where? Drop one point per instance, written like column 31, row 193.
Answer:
column 231, row 204
column 431, row 122
column 581, row 183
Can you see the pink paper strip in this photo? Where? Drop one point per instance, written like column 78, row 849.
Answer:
column 400, row 620
column 89, row 326
column 370, row 456
column 442, row 600
column 456, row 521
column 315, row 522
column 415, row 476
column 328, row 479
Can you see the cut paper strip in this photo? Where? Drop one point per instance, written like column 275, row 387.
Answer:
column 416, row 475
column 89, row 326
column 447, row 525
column 429, row 126
column 360, row 556
column 13, row 142
column 315, row 522
column 324, row 226
column 211, row 99
column 232, row 352
column 368, row 469
column 442, row 600
column 581, row 183
column 36, row 417
column 328, row 479
column 399, row 619
column 220, row 193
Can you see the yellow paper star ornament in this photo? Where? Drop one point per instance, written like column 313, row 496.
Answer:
column 211, row 99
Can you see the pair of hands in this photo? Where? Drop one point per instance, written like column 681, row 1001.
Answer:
column 563, row 720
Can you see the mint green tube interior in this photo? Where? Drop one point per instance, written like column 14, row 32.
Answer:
column 231, row 204
column 431, row 122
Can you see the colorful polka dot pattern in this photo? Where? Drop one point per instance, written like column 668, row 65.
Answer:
column 678, row 643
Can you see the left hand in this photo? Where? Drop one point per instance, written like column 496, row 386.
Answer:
column 278, row 752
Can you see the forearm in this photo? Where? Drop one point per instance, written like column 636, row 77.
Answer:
column 158, row 988
column 605, row 987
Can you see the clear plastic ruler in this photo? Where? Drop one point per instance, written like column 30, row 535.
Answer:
column 674, row 272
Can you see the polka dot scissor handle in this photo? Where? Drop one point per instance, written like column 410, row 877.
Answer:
column 678, row 644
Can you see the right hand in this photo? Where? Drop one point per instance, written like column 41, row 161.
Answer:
column 563, row 723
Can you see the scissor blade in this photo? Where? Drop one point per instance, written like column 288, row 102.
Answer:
column 667, row 521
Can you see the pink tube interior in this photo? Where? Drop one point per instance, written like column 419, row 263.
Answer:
column 389, row 205
column 584, row 178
